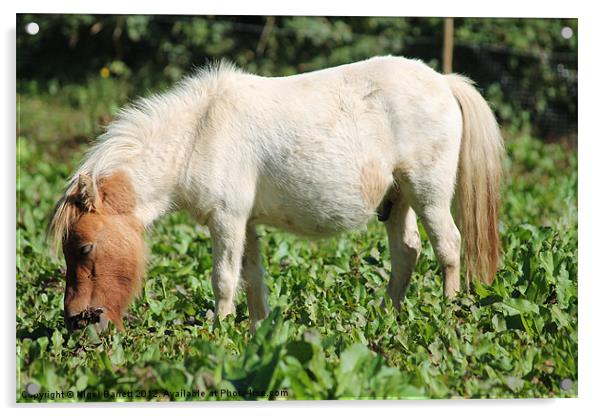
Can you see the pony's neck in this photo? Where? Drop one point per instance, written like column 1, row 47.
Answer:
column 154, row 140
column 151, row 142
column 157, row 169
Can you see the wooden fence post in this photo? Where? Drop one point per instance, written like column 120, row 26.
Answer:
column 448, row 44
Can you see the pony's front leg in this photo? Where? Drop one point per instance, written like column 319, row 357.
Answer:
column 252, row 273
column 228, row 238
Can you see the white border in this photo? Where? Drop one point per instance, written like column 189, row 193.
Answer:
column 508, row 8
column 589, row 185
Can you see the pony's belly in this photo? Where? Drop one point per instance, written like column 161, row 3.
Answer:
column 323, row 187
column 315, row 214
column 306, row 224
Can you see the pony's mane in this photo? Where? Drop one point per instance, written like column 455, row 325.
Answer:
column 135, row 127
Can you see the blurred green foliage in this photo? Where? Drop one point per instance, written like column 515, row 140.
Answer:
column 527, row 69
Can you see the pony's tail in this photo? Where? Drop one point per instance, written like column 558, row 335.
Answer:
column 478, row 181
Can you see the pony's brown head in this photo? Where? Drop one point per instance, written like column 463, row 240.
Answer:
column 104, row 250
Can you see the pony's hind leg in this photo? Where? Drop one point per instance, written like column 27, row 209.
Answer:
column 445, row 238
column 432, row 202
column 252, row 273
column 404, row 245
column 430, row 190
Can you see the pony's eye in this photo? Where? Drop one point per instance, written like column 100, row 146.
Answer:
column 86, row 249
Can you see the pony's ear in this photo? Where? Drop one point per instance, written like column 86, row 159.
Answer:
column 86, row 192
column 117, row 194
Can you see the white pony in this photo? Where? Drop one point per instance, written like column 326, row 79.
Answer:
column 314, row 154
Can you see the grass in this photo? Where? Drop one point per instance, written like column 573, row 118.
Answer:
column 327, row 337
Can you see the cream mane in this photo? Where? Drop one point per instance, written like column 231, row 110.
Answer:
column 138, row 127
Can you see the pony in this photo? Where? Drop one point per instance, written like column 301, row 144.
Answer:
column 314, row 154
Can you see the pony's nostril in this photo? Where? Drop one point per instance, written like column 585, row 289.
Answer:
column 72, row 323
column 92, row 315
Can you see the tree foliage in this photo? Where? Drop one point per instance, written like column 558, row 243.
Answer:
column 527, row 69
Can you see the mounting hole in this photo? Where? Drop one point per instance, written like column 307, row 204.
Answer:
column 566, row 384
column 566, row 32
column 32, row 28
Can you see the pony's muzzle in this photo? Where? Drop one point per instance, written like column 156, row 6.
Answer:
column 94, row 315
